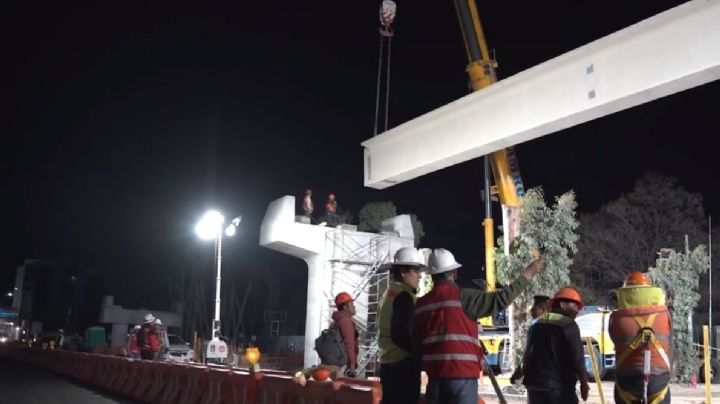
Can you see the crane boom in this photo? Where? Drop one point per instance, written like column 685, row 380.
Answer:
column 481, row 69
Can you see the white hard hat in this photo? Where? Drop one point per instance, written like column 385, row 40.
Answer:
column 409, row 256
column 157, row 321
column 442, row 260
column 149, row 318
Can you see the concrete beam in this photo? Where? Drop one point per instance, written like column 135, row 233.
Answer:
column 670, row 52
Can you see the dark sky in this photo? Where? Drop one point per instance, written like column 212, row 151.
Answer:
column 122, row 124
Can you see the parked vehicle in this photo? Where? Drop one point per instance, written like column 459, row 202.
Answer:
column 178, row 349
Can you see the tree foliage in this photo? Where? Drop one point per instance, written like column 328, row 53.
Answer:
column 372, row 215
column 678, row 274
column 553, row 228
column 626, row 233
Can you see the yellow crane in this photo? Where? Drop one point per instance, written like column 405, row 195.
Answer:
column 508, row 184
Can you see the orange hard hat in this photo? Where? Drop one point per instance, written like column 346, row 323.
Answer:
column 342, row 298
column 637, row 278
column 567, row 293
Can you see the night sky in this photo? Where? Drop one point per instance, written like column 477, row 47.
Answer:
column 122, row 124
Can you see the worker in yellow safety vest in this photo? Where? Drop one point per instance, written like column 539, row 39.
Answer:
column 400, row 365
column 641, row 330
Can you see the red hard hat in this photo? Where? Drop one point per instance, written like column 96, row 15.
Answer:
column 637, row 278
column 567, row 293
column 342, row 298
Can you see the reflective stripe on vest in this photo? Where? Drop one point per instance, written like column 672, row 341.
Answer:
column 438, row 305
column 451, row 357
column 449, row 338
column 389, row 352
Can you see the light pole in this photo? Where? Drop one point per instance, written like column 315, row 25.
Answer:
column 211, row 227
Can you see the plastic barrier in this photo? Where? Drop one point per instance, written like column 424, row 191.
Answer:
column 316, row 392
column 164, row 383
column 275, row 390
column 196, row 381
column 358, row 394
column 231, row 387
column 171, row 388
column 157, row 374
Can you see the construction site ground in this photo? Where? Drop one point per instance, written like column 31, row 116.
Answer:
column 680, row 393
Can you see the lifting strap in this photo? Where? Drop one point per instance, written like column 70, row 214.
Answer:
column 644, row 334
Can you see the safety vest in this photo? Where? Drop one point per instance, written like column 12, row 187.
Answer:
column 642, row 319
column 450, row 347
column 391, row 353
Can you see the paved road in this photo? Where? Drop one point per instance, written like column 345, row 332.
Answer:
column 23, row 384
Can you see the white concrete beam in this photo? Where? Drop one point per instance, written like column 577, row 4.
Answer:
column 670, row 52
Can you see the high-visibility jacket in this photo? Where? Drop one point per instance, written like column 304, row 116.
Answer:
column 391, row 353
column 642, row 321
column 132, row 342
column 639, row 319
column 450, row 347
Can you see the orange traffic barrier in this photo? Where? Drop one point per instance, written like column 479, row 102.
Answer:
column 157, row 374
column 230, row 387
column 171, row 387
column 196, row 384
column 141, row 380
column 315, row 392
column 358, row 394
column 275, row 389
column 121, row 376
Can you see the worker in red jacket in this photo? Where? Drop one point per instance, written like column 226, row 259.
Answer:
column 343, row 318
column 148, row 339
column 133, row 348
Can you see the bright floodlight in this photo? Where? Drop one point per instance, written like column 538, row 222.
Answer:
column 230, row 230
column 210, row 225
column 9, row 294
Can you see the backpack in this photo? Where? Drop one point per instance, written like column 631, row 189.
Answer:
column 329, row 345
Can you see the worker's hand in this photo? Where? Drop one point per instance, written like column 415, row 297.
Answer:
column 584, row 391
column 534, row 268
column 517, row 374
column 351, row 373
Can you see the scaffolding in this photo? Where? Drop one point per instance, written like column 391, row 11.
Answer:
column 356, row 263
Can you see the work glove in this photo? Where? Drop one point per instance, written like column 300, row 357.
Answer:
column 517, row 374
column 584, row 390
column 351, row 373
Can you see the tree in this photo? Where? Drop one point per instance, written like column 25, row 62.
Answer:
column 678, row 275
column 372, row 215
column 626, row 233
column 555, row 229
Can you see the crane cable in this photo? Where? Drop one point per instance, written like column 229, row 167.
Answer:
column 387, row 16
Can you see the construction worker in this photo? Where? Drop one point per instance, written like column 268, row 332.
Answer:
column 132, row 348
column 331, row 210
column 147, row 338
column 343, row 318
column 399, row 363
column 641, row 330
column 308, row 203
column 554, row 360
column 538, row 308
column 446, row 323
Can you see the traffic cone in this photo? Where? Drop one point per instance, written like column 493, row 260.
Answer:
column 693, row 380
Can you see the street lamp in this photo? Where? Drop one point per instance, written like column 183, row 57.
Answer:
column 210, row 227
